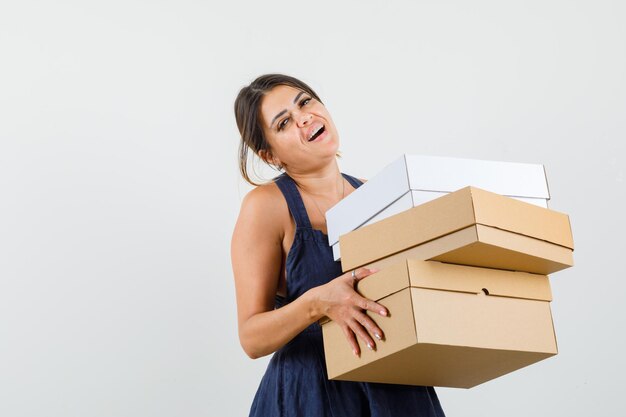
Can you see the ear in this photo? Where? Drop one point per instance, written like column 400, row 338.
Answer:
column 267, row 157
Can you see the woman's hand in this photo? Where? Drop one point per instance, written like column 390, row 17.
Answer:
column 339, row 301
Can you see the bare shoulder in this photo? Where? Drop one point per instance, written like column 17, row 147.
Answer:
column 265, row 208
column 264, row 197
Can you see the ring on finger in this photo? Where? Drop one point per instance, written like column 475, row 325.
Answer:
column 354, row 274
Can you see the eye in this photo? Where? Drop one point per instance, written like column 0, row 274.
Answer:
column 305, row 101
column 282, row 123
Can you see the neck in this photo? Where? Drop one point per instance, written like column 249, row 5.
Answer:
column 321, row 182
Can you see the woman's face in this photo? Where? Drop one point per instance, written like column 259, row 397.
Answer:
column 299, row 129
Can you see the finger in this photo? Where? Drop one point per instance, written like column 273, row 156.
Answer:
column 371, row 326
column 373, row 306
column 361, row 273
column 351, row 340
column 360, row 331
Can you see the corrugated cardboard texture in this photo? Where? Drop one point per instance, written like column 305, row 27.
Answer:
column 496, row 248
column 486, row 247
column 454, row 212
column 459, row 278
column 517, row 216
column 459, row 319
column 443, row 366
column 447, row 338
column 415, row 198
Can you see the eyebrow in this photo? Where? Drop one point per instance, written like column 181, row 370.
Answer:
column 285, row 111
column 297, row 97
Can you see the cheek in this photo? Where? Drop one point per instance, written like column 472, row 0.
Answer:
column 272, row 140
column 285, row 140
column 325, row 114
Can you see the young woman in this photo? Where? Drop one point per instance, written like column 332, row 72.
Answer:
column 285, row 275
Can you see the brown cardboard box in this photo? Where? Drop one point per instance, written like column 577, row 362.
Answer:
column 443, row 328
column 470, row 227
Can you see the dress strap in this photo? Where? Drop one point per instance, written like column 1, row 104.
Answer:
column 294, row 200
column 355, row 182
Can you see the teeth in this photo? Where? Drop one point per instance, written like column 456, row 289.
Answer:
column 315, row 132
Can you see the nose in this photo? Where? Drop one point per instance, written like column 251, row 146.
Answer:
column 304, row 119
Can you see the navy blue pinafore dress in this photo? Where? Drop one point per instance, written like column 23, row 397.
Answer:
column 295, row 383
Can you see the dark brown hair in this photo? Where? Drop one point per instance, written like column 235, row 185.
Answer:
column 247, row 115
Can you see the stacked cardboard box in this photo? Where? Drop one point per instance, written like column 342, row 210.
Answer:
column 415, row 179
column 464, row 277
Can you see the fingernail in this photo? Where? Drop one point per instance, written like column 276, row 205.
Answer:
column 369, row 346
column 355, row 353
column 383, row 312
column 379, row 337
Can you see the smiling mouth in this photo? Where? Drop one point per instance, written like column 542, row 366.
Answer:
column 318, row 133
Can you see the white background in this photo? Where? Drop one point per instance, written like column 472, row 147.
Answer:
column 119, row 182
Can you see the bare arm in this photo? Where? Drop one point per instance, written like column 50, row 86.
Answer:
column 257, row 252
